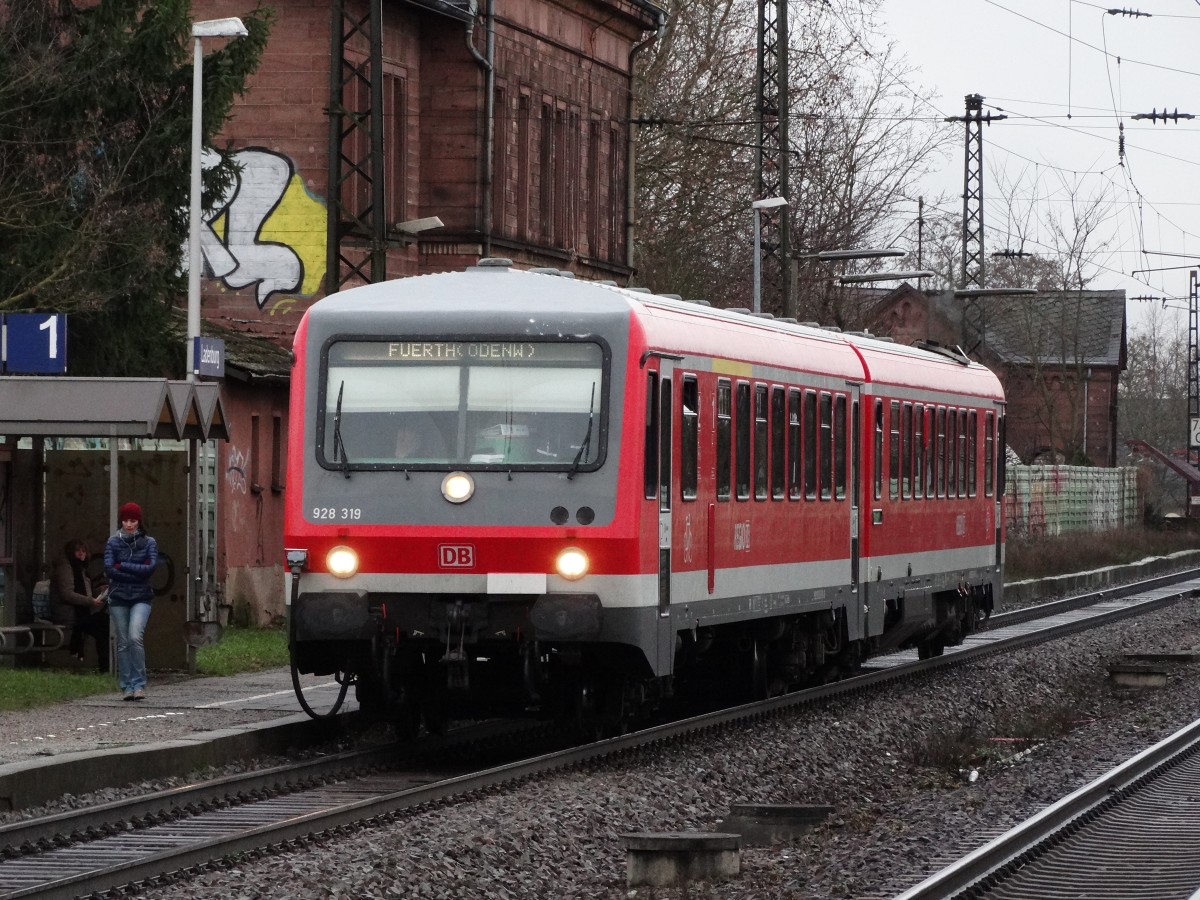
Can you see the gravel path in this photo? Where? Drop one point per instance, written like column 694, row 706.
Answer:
column 897, row 815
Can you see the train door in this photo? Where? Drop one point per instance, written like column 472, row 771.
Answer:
column 855, row 459
column 658, row 480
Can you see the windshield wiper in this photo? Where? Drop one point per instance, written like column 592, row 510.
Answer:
column 587, row 437
column 339, row 447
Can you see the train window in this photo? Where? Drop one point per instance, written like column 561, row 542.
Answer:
column 1001, row 454
column 650, row 465
column 519, row 404
column 941, row 451
column 778, row 421
column 839, row 447
column 689, row 437
column 826, row 445
column 906, row 451
column 972, row 427
column 741, row 462
column 951, row 449
column 918, row 451
column 989, row 452
column 810, row 445
column 962, row 453
column 760, row 441
column 724, row 436
column 894, row 451
column 795, row 473
column 665, row 446
column 878, row 449
column 930, row 447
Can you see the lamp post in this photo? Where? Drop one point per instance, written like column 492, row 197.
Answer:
column 758, row 206
column 232, row 27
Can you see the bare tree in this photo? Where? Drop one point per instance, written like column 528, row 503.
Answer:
column 857, row 139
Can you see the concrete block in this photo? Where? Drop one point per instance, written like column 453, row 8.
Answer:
column 764, row 824
column 675, row 859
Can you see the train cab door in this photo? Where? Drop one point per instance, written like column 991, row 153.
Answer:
column 855, row 462
column 659, row 479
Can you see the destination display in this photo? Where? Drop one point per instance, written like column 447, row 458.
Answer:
column 506, row 352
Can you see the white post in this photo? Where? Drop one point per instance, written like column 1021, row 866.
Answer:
column 194, row 261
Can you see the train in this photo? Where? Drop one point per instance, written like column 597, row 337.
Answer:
column 515, row 491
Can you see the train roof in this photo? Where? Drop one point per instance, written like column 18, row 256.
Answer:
column 671, row 324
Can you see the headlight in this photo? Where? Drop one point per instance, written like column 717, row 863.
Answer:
column 342, row 562
column 572, row 564
column 457, row 487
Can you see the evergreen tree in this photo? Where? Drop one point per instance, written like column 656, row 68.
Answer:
column 95, row 156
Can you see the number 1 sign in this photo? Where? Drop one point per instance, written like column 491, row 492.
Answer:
column 35, row 343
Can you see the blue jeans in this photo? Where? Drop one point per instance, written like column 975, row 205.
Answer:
column 129, row 624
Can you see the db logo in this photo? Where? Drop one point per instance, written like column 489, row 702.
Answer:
column 456, row 556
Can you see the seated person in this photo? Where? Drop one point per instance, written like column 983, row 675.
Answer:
column 74, row 605
column 419, row 439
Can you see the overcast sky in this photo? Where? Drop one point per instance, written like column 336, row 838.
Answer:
column 1067, row 73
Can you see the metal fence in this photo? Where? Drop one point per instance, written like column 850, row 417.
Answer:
column 1052, row 500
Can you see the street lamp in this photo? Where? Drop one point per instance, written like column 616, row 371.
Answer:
column 230, row 28
column 758, row 206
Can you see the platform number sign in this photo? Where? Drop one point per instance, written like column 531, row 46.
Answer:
column 1194, row 441
column 34, row 343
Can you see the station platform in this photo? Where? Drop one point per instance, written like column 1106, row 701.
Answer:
column 184, row 724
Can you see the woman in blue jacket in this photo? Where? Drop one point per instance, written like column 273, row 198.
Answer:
column 129, row 560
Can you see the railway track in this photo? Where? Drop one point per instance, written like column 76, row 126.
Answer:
column 166, row 836
column 1133, row 834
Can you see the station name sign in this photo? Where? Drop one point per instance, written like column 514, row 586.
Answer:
column 208, row 357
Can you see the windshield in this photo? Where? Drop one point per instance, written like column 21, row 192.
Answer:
column 509, row 404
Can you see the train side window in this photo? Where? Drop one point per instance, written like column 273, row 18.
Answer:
column 906, row 451
column 972, row 426
column 951, row 449
column 650, row 468
column 941, row 451
column 795, row 473
column 810, row 445
column 989, row 452
column 724, row 436
column 741, row 463
column 878, row 449
column 778, row 460
column 918, row 451
column 761, row 430
column 894, row 451
column 689, row 437
column 962, row 453
column 826, row 445
column 839, row 447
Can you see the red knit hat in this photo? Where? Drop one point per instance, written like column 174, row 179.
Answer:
column 129, row 511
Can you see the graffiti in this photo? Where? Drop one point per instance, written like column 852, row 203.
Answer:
column 235, row 472
column 265, row 230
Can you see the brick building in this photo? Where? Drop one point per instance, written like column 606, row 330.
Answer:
column 1059, row 355
column 509, row 123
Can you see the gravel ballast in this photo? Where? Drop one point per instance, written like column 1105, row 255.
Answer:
column 895, row 820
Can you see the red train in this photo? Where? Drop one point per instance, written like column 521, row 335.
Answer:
column 512, row 489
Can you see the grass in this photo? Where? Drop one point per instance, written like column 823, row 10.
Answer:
column 244, row 650
column 27, row 688
column 1045, row 556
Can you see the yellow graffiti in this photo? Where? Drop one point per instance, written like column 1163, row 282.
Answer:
column 299, row 222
